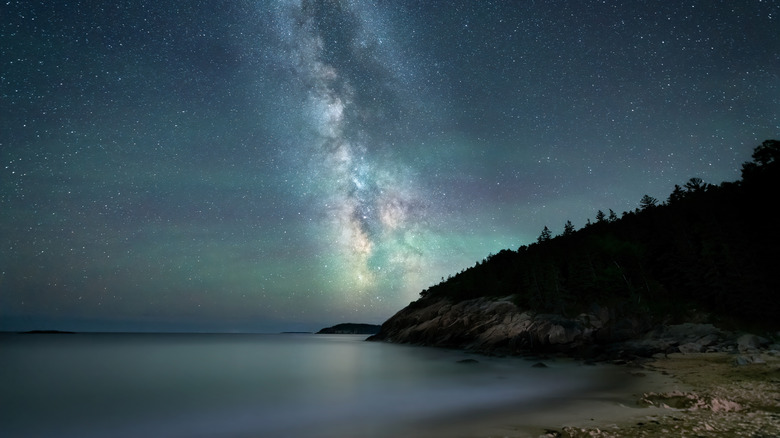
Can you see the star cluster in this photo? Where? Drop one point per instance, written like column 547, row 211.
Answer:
column 290, row 164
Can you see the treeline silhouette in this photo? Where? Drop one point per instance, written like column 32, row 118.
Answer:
column 707, row 248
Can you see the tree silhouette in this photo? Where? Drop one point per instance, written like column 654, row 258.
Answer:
column 768, row 153
column 710, row 248
column 677, row 194
column 646, row 202
column 695, row 185
column 568, row 228
column 766, row 156
column 545, row 236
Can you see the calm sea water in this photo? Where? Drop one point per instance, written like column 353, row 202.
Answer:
column 233, row 385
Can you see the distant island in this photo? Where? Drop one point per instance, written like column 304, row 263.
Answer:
column 351, row 329
column 47, row 332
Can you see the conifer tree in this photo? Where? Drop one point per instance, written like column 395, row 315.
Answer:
column 545, row 236
column 677, row 194
column 695, row 185
column 568, row 228
column 646, row 202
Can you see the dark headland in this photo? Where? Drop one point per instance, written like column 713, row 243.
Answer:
column 694, row 273
column 688, row 287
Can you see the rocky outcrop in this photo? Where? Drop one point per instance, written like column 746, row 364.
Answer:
column 498, row 326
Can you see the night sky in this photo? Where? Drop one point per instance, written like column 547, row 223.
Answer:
column 287, row 165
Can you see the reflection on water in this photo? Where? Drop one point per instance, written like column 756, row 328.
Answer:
column 229, row 385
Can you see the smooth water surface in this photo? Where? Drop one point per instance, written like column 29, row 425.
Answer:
column 248, row 385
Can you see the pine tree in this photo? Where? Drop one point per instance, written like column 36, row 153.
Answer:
column 545, row 236
column 568, row 228
column 677, row 194
column 646, row 202
column 695, row 185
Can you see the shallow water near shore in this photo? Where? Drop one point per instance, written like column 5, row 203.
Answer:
column 249, row 385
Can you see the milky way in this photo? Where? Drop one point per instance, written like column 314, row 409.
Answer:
column 370, row 208
column 285, row 165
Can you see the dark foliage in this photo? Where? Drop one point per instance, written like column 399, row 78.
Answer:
column 709, row 248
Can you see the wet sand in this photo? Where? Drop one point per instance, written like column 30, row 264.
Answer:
column 704, row 394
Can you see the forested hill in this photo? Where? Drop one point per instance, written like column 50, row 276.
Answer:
column 708, row 248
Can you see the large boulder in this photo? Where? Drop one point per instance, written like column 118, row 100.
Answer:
column 749, row 343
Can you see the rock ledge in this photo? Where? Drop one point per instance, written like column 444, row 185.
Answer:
column 498, row 326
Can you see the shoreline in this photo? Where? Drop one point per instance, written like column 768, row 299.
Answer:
column 697, row 394
column 691, row 378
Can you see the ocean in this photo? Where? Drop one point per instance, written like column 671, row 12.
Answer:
column 273, row 385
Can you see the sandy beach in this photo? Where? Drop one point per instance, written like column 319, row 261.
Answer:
column 702, row 394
